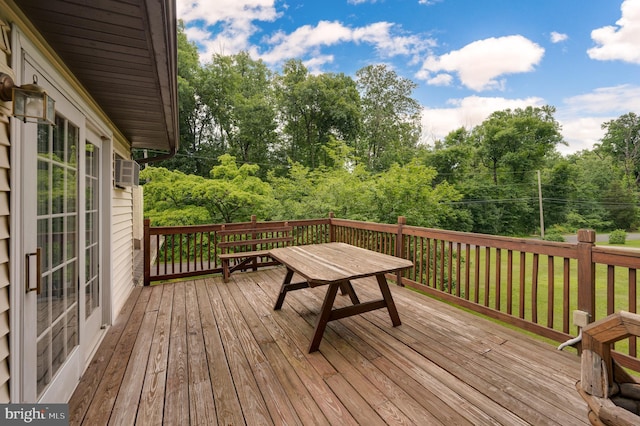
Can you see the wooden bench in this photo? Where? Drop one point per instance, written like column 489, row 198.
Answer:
column 247, row 245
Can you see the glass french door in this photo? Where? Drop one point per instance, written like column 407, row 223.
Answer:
column 91, row 285
column 57, row 320
column 63, row 309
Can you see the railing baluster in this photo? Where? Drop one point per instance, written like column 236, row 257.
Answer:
column 632, row 308
column 467, row 273
column 510, row 282
column 534, row 288
column 523, row 286
column 566, row 298
column 550, row 291
column 442, row 265
column 450, row 267
column 476, row 293
column 498, row 278
column 611, row 289
column 458, row 263
column 487, row 274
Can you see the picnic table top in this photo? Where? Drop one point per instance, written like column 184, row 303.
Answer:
column 331, row 262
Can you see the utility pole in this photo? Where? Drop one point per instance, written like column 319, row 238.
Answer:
column 540, row 202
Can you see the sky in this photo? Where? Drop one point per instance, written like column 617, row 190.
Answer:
column 469, row 58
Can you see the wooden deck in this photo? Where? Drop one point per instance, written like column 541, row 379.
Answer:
column 205, row 352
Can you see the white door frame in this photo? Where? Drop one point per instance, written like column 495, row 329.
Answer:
column 21, row 386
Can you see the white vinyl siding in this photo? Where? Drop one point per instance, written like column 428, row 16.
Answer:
column 121, row 244
column 5, row 226
column 5, row 189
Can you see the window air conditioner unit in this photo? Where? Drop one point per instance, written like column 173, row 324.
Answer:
column 127, row 173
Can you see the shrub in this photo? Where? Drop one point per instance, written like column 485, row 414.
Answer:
column 554, row 236
column 619, row 236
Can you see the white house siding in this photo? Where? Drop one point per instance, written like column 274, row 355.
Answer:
column 4, row 257
column 122, row 244
column 5, row 169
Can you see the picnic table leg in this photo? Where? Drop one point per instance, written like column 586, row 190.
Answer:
column 347, row 288
column 386, row 294
column 283, row 290
column 225, row 270
column 324, row 316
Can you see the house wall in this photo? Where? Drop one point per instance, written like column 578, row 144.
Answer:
column 5, row 188
column 122, row 240
column 117, row 259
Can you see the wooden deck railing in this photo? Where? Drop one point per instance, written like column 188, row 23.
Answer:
column 531, row 284
column 187, row 251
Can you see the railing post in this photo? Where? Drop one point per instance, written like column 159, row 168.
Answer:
column 147, row 252
column 332, row 231
column 400, row 246
column 586, row 273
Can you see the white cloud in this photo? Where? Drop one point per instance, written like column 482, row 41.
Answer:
column 304, row 39
column 441, row 80
column 580, row 133
column 622, row 41
column 235, row 18
column 467, row 112
column 479, row 64
column 582, row 116
column 314, row 65
column 213, row 11
column 605, row 101
column 558, row 37
column 309, row 39
column 429, row 2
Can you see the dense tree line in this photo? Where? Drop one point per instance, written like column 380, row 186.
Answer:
column 297, row 145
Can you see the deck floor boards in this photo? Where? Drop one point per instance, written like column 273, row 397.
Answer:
column 206, row 352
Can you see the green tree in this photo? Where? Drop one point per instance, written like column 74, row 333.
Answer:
column 517, row 140
column 254, row 112
column 620, row 202
column 453, row 158
column 558, row 188
column 169, row 199
column 197, row 146
column 343, row 188
column 594, row 172
column 234, row 193
column 314, row 108
column 408, row 191
column 622, row 142
column 500, row 209
column 391, row 117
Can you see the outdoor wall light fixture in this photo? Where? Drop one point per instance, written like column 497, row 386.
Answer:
column 30, row 101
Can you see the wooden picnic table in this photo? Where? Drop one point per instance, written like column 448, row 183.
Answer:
column 336, row 265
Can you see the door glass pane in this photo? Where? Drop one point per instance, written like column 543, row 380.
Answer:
column 71, row 191
column 57, row 227
column 57, row 294
column 44, row 361
column 43, row 187
column 57, row 345
column 57, row 193
column 92, row 248
column 44, row 304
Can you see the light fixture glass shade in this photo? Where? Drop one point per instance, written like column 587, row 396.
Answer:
column 31, row 103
